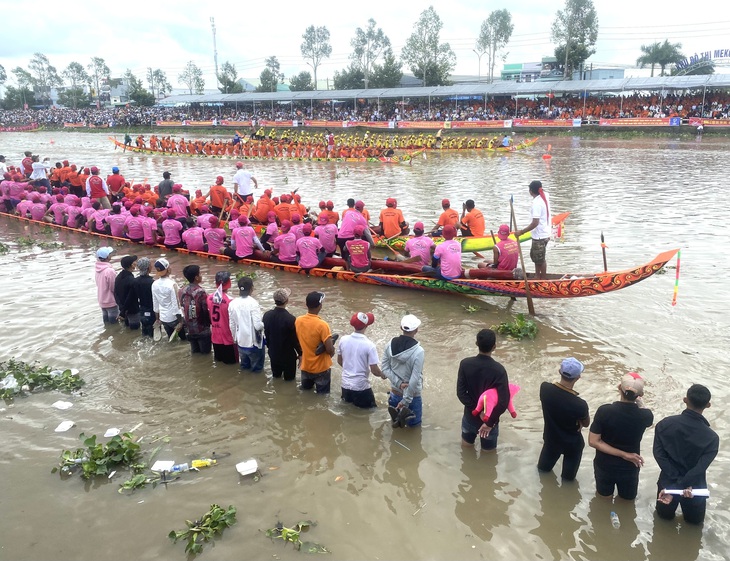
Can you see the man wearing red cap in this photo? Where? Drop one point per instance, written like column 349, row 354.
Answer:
column 357, row 252
column 616, row 434
column 419, row 246
column 263, row 206
column 358, row 358
column 242, row 182
column 96, row 188
column 506, row 252
column 219, row 196
column 332, row 216
column 310, row 252
column 179, row 203
column 392, row 222
column 448, row 256
column 449, row 217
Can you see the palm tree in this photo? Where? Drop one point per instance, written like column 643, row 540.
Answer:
column 669, row 53
column 650, row 56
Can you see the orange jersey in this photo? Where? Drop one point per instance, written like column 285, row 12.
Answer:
column 263, row 207
column 218, row 196
column 448, row 217
column 391, row 219
column 474, row 220
column 283, row 211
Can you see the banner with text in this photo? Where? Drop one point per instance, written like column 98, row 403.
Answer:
column 542, row 123
column 634, row 122
column 695, row 121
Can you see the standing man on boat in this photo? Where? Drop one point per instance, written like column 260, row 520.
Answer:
column 476, row 375
column 684, row 447
column 165, row 186
column 116, row 182
column 403, row 366
column 96, row 188
column 540, row 228
column 313, row 331
column 564, row 414
column 242, row 182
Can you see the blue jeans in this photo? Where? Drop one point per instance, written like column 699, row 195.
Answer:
column 416, row 406
column 252, row 358
column 436, row 271
column 469, row 434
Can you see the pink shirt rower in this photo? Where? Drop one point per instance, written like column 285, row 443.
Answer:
column 308, row 248
column 193, row 238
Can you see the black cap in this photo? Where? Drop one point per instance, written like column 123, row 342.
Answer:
column 128, row 261
column 166, row 175
column 314, row 299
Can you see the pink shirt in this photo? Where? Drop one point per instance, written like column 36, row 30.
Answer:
column 135, row 230
column 149, row 227
column 98, row 217
column 204, row 220
column 172, row 228
column 15, row 189
column 296, row 229
column 243, row 239
column 70, row 199
column 349, row 221
column 358, row 252
column 193, row 238
column 180, row 204
column 116, row 224
column 308, row 249
column 38, row 211
column 215, row 238
column 509, row 254
column 73, row 216
column 327, row 234
column 420, row 246
column 23, row 207
column 273, row 231
column 286, row 245
column 58, row 210
column 449, row 254
column 220, row 330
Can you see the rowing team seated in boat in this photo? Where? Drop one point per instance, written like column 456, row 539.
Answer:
column 288, row 233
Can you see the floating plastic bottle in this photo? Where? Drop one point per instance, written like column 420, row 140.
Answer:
column 178, row 468
column 615, row 522
column 203, row 462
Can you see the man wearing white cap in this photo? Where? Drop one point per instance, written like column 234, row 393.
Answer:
column 358, row 357
column 105, row 276
column 403, row 366
column 564, row 414
column 616, row 434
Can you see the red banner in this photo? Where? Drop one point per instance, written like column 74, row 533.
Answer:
column 20, row 128
column 634, row 122
column 236, row 123
column 170, row 123
column 694, row 121
column 542, row 123
column 73, row 125
column 477, row 125
column 198, row 123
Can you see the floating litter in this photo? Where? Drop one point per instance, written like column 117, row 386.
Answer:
column 64, row 426
column 62, row 405
column 111, row 432
column 162, row 465
column 248, row 467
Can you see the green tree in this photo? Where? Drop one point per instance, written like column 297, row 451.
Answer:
column 575, row 29
column 316, row 46
column 99, row 71
column 45, row 76
column 16, row 98
column 136, row 90
column 368, row 46
column 23, row 77
column 76, row 76
column 351, row 78
column 271, row 76
column 3, row 75
column 669, row 53
column 301, row 82
column 388, row 74
column 228, row 79
column 192, row 78
column 157, row 80
column 649, row 56
column 493, row 37
column 426, row 57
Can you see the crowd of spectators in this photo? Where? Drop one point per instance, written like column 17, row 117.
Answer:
column 716, row 106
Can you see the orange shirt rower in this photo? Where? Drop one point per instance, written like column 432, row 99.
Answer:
column 449, row 217
column 392, row 222
column 472, row 220
column 219, row 196
column 263, row 206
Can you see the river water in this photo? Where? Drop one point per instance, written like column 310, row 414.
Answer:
column 376, row 492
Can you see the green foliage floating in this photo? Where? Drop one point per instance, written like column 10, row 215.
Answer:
column 518, row 328
column 100, row 459
column 18, row 377
column 212, row 523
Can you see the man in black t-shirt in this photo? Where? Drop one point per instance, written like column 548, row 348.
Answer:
column 565, row 414
column 476, row 375
column 281, row 337
column 616, row 435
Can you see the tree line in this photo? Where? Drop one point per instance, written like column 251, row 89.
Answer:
column 373, row 62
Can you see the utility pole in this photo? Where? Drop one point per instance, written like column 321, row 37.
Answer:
column 215, row 50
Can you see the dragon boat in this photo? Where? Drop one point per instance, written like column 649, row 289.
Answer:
column 475, row 282
column 527, row 143
column 395, row 159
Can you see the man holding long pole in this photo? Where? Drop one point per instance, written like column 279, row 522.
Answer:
column 540, row 228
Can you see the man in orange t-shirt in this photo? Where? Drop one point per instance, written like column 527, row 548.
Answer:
column 263, row 206
column 472, row 220
column 449, row 217
column 219, row 196
column 313, row 331
column 392, row 222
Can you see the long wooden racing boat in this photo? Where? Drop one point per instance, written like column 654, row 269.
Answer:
column 402, row 275
column 396, row 159
column 471, row 244
column 527, row 143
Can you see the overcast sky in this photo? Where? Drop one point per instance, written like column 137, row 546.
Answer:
column 166, row 35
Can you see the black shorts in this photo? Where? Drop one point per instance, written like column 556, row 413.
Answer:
column 320, row 381
column 227, row 354
column 625, row 481
column 360, row 398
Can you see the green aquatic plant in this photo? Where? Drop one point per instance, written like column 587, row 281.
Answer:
column 25, row 241
column 49, row 245
column 4, row 248
column 293, row 536
column 18, row 377
column 249, row 274
column 471, row 308
column 518, row 328
column 100, row 459
column 212, row 523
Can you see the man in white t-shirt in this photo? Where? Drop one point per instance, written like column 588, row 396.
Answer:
column 358, row 357
column 540, row 228
column 242, row 181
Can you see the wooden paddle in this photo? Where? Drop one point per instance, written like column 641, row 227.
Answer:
column 530, row 305
column 603, row 249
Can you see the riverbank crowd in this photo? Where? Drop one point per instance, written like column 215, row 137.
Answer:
column 716, row 106
column 237, row 332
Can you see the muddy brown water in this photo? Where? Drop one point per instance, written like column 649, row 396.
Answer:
column 379, row 493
